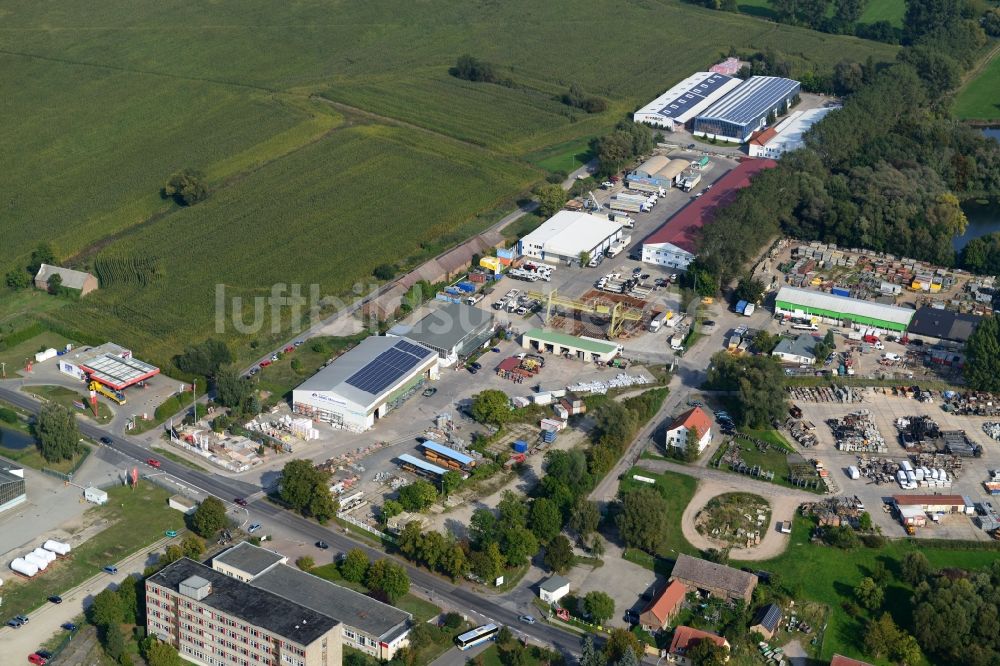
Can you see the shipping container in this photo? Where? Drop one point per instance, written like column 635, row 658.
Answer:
column 840, row 291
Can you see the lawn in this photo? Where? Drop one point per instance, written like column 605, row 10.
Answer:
column 67, row 397
column 14, row 357
column 978, row 100
column 109, row 100
column 30, row 456
column 566, row 157
column 828, row 575
column 135, row 518
column 677, row 490
column 884, row 10
column 280, row 378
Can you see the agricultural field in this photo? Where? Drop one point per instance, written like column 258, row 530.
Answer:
column 329, row 131
column 978, row 99
column 884, row 10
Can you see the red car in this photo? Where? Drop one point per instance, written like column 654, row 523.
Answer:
column 36, row 658
column 289, row 349
column 153, row 462
column 265, row 363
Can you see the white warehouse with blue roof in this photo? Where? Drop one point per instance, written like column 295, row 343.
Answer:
column 746, row 108
column 685, row 100
column 364, row 384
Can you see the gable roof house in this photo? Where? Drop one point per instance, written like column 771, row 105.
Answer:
column 71, row 279
column 686, row 638
column 692, row 420
column 767, row 620
column 716, row 579
column 663, row 607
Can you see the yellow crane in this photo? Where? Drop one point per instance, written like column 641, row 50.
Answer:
column 619, row 312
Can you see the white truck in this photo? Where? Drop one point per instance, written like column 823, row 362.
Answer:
column 629, row 205
column 640, row 186
column 748, row 310
column 853, row 473
column 677, row 342
column 622, row 219
column 657, row 322
column 521, row 274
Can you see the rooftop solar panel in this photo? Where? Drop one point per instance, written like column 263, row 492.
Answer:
column 388, row 367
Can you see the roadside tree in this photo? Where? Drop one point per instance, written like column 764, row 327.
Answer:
column 643, row 519
column 559, row 554
column 354, row 566
column 599, row 606
column 57, row 433
column 209, row 517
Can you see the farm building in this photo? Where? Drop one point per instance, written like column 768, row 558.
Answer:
column 453, row 330
column 685, row 100
column 746, row 108
column 936, row 503
column 76, row 280
column 365, row 383
column 663, row 607
column 673, row 244
column 716, row 579
column 795, row 302
column 694, row 420
column 767, row 620
column 800, row 349
column 12, row 487
column 108, row 364
column 686, row 638
column 943, row 325
column 553, row 589
column 582, row 347
column 568, row 234
column 788, row 135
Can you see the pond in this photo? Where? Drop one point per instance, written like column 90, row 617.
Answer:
column 14, row 440
column 984, row 218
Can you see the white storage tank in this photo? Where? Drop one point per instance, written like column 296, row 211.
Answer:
column 24, row 567
column 39, row 562
column 46, row 555
column 57, row 547
column 934, row 474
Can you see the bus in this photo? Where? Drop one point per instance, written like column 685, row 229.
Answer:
column 477, row 636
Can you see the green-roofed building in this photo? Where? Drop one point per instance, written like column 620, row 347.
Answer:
column 582, row 347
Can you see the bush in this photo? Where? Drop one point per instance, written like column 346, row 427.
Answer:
column 8, row 415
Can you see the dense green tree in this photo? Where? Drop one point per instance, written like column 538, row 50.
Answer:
column 584, row 258
column 707, row 653
column 915, row 568
column 391, row 508
column 42, row 254
column 473, row 69
column 114, row 641
column 585, row 517
column 17, row 279
column 925, row 16
column 158, row 653
column 450, row 482
column 306, row 489
column 758, row 382
column 559, row 554
column 354, row 566
column 869, row 594
column 589, row 655
column 551, row 199
column 491, row 406
column 545, row 519
column 642, row 520
column 418, row 495
column 305, row 563
column 599, row 606
column 232, row 389
column 172, row 553
column 384, row 272
column 619, row 641
column 939, row 71
column 487, row 564
column 518, row 545
column 749, row 289
column 628, row 659
column 209, row 517
column 982, row 351
column 106, row 609
column 454, row 562
column 483, row 528
column 54, row 284
column 57, row 433
column 322, row 505
column 204, row 358
column 513, row 510
column 387, row 578
column 193, row 546
column 128, row 594
column 186, row 187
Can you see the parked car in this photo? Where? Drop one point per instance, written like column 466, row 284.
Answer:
column 44, row 653
column 36, row 658
column 477, row 366
column 264, row 364
column 22, row 618
column 322, row 545
column 289, row 349
column 274, row 357
column 56, row 599
column 253, row 528
column 428, row 392
column 69, row 626
column 110, row 569
column 14, row 623
column 240, row 501
column 473, row 370
column 527, row 619
column 495, row 350
column 170, row 533
column 153, row 462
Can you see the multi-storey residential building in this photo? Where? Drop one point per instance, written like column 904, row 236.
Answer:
column 216, row 620
column 368, row 625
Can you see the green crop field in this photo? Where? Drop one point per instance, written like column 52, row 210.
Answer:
column 884, row 10
column 980, row 98
column 329, row 131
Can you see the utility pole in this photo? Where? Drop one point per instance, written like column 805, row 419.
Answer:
column 3, row 370
column 194, row 400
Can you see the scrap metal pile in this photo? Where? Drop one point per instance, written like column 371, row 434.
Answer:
column 803, row 432
column 972, row 403
column 857, row 432
column 992, row 428
column 879, row 470
column 832, row 393
column 918, row 433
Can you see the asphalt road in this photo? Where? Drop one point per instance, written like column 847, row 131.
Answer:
column 437, row 590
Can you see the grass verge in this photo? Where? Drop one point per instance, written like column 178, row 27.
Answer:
column 67, row 397
column 677, row 490
column 170, row 455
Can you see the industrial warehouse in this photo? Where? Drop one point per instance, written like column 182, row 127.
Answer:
column 684, row 101
column 453, row 330
column 674, row 244
column 746, row 109
column 567, row 235
column 788, row 135
column 364, row 384
column 584, row 348
column 832, row 309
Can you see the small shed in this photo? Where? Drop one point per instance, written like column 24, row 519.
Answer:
column 183, row 504
column 553, row 589
column 95, row 495
column 767, row 621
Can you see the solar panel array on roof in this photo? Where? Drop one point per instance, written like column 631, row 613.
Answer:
column 751, row 98
column 388, row 367
column 697, row 93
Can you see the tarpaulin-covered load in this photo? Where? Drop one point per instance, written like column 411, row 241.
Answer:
column 57, row 547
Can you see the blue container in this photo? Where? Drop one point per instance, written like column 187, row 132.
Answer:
column 520, row 446
column 454, row 291
column 549, row 436
column 466, row 286
column 740, row 307
column 840, row 291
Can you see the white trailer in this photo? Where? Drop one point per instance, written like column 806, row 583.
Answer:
column 853, row 473
column 640, row 186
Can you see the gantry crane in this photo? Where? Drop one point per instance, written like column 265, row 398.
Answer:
column 619, row 312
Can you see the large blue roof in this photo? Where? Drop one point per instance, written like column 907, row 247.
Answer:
column 422, row 464
column 755, row 96
column 440, row 449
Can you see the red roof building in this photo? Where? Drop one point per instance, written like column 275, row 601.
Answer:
column 658, row 614
column 674, row 244
column 840, row 660
column 694, row 420
column 687, row 637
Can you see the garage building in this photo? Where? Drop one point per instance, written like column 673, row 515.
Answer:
column 685, row 100
column 936, row 503
column 364, row 384
column 943, row 325
column 584, row 348
column 745, row 110
column 837, row 310
column 567, row 234
column 12, row 488
column 453, row 330
column 799, row 350
column 788, row 135
column 674, row 244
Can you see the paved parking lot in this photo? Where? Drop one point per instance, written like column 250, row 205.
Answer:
column 885, row 410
